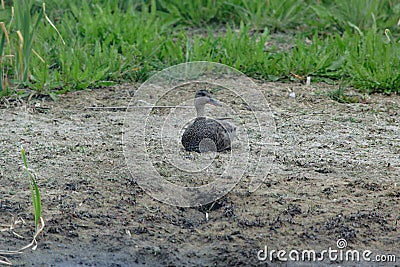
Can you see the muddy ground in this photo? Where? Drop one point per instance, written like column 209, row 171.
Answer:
column 336, row 174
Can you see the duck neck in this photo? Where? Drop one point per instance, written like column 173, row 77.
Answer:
column 200, row 111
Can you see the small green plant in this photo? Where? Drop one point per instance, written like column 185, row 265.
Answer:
column 36, row 200
column 39, row 222
column 340, row 96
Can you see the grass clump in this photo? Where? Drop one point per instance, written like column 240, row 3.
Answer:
column 277, row 15
column 198, row 13
column 374, row 62
column 17, row 42
column 356, row 15
column 239, row 49
column 26, row 27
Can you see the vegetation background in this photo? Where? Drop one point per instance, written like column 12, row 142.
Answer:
column 72, row 45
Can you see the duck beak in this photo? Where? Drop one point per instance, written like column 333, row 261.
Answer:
column 215, row 102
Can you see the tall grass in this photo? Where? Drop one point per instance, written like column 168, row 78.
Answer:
column 239, row 49
column 358, row 15
column 26, row 27
column 25, row 19
column 374, row 62
column 198, row 13
column 116, row 41
column 277, row 15
column 3, row 38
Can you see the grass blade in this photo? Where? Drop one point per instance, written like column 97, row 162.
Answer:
column 36, row 200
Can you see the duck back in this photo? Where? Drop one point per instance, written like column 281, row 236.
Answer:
column 206, row 135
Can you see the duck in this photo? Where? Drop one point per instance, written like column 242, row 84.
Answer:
column 207, row 134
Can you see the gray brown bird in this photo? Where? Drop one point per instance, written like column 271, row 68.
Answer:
column 207, row 134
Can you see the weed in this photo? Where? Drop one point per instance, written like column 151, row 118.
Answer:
column 36, row 200
column 39, row 222
column 340, row 96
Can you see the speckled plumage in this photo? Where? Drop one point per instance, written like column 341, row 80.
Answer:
column 208, row 134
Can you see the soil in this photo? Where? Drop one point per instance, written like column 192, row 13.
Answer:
column 335, row 175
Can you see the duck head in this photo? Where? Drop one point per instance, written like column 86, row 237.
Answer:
column 202, row 98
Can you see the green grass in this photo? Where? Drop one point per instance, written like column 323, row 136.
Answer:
column 272, row 14
column 36, row 200
column 109, row 42
column 359, row 15
column 374, row 63
column 26, row 26
column 4, row 35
